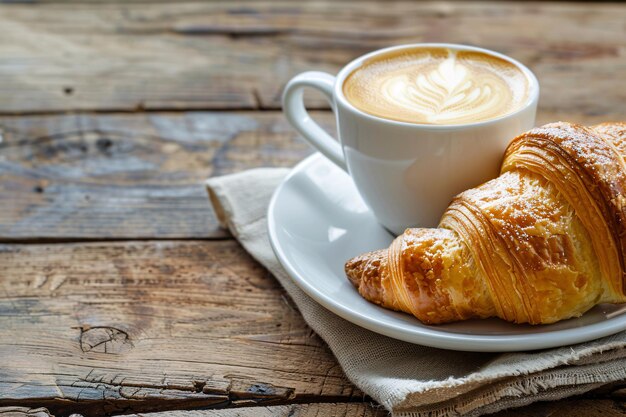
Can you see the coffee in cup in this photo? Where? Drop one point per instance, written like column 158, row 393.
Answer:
column 430, row 85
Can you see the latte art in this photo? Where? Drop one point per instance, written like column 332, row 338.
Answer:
column 446, row 94
column 437, row 86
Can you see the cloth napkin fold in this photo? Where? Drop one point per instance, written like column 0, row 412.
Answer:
column 408, row 379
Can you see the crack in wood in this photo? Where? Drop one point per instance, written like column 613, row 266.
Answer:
column 94, row 396
column 70, row 239
column 257, row 98
column 199, row 385
column 104, row 339
column 238, row 388
column 233, row 32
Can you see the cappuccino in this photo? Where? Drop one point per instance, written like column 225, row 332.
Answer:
column 436, row 85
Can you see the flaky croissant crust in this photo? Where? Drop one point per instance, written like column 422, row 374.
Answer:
column 544, row 241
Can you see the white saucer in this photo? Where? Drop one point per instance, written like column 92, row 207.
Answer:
column 317, row 221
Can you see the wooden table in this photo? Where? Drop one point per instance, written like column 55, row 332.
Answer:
column 119, row 292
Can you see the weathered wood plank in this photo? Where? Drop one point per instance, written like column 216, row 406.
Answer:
column 129, row 176
column 153, row 326
column 210, row 55
column 293, row 410
column 137, row 176
column 24, row 412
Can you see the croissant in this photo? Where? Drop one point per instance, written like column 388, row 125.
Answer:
column 543, row 242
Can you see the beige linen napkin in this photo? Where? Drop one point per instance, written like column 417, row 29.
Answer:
column 408, row 379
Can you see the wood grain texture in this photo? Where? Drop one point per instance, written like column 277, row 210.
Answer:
column 84, row 177
column 24, row 412
column 220, row 55
column 152, row 326
column 294, row 410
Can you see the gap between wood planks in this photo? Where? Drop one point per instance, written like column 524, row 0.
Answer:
column 138, row 110
column 68, row 240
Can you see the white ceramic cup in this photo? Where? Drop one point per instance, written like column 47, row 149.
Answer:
column 407, row 173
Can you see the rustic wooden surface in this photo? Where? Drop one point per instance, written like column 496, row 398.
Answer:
column 119, row 293
column 129, row 176
column 238, row 55
column 143, row 326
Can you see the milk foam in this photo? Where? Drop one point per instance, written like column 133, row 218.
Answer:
column 437, row 86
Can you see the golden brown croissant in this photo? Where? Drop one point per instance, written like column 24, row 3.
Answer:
column 544, row 241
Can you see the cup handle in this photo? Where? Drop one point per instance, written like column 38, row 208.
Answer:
column 298, row 117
